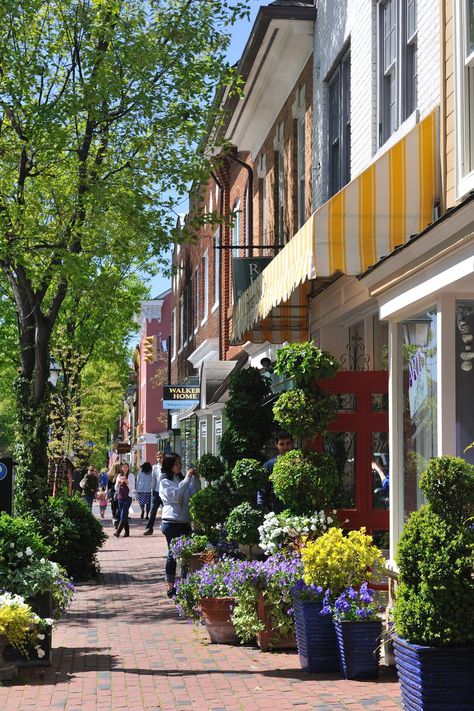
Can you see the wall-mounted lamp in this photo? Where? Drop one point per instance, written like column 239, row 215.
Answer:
column 416, row 332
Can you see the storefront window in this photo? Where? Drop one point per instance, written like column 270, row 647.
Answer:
column 419, row 402
column 342, row 446
column 189, row 439
column 464, row 365
column 380, row 344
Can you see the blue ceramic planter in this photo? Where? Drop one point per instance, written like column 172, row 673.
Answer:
column 359, row 648
column 435, row 678
column 315, row 637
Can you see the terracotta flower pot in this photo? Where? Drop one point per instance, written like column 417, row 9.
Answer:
column 268, row 638
column 7, row 669
column 197, row 560
column 216, row 613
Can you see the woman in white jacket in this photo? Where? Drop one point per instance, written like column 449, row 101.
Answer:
column 175, row 492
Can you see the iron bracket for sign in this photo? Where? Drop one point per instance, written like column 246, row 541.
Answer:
column 255, row 246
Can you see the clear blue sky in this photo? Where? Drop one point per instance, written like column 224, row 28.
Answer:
column 240, row 33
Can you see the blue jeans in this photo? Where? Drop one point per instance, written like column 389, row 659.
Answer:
column 89, row 499
column 173, row 529
column 123, row 507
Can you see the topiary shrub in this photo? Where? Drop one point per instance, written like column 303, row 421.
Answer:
column 303, row 413
column 210, row 468
column 304, row 480
column 242, row 524
column 73, row 533
column 209, row 508
column 249, row 476
column 435, row 598
column 448, row 484
column 305, row 363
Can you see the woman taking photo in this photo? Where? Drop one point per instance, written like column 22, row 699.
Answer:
column 175, row 492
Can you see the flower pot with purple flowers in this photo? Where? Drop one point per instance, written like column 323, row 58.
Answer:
column 315, row 634
column 358, row 632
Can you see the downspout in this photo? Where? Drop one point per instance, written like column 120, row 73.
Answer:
column 221, row 232
column 442, row 118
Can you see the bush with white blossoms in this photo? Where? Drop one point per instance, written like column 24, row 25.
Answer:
column 280, row 532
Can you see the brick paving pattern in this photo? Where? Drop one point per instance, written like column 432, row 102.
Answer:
column 122, row 646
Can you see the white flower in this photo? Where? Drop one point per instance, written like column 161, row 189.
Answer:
column 48, row 621
column 43, row 560
column 313, row 527
column 40, row 636
column 329, row 519
column 19, row 554
column 40, row 652
column 29, row 551
column 346, row 521
column 12, row 545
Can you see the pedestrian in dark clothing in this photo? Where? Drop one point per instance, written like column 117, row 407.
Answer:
column 266, row 498
column 89, row 486
column 143, row 488
column 112, row 475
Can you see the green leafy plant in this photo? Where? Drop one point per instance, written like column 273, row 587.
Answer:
column 303, row 413
column 304, row 480
column 183, row 547
column 337, row 561
column 73, row 533
column 249, row 476
column 243, row 523
column 19, row 623
column 435, row 598
column 448, row 484
column 249, row 421
column 305, row 363
column 209, row 508
column 210, row 468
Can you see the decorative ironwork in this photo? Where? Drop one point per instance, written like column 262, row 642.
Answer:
column 355, row 358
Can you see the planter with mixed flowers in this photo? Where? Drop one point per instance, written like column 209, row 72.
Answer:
column 192, row 551
column 315, row 633
column 20, row 627
column 285, row 531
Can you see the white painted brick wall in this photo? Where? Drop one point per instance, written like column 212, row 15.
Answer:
column 343, row 22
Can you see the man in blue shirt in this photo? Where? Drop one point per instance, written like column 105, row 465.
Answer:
column 266, row 498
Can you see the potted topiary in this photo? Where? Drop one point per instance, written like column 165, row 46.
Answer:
column 209, row 508
column 332, row 563
column 242, row 526
column 210, row 468
column 249, row 476
column 304, row 363
column 434, row 607
column 305, row 413
column 304, row 480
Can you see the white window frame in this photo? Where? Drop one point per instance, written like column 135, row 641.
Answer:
column 301, row 169
column 279, row 148
column 173, row 322
column 262, row 176
column 464, row 88
column 402, row 63
column 181, row 324
column 217, row 267
column 339, row 131
column 197, row 305
column 205, row 300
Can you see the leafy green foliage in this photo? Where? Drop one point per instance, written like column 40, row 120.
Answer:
column 103, row 104
column 249, row 476
column 210, row 468
column 249, row 422
column 448, row 484
column 435, row 598
column 209, row 507
column 242, row 524
column 17, row 533
column 73, row 533
column 305, row 363
column 304, row 413
column 304, row 480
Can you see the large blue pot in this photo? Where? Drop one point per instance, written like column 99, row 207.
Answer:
column 359, row 648
column 315, row 637
column 435, row 678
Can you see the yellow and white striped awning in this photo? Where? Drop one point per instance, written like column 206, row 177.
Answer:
column 377, row 211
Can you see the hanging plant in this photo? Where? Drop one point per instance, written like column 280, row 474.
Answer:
column 303, row 413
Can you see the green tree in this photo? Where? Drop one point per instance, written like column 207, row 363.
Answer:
column 102, row 103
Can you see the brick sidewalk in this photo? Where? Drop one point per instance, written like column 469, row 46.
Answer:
column 122, row 646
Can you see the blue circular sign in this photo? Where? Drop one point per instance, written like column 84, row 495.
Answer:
column 3, row 471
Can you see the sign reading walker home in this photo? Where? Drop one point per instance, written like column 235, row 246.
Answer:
column 181, row 397
column 245, row 270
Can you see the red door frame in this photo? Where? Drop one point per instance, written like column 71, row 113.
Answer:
column 363, row 422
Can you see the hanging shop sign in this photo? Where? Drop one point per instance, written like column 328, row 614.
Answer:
column 244, row 271
column 181, row 397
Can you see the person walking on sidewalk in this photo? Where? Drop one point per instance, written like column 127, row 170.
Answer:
column 89, row 486
column 114, row 471
column 124, row 500
column 102, row 499
column 156, row 501
column 143, row 488
column 175, row 492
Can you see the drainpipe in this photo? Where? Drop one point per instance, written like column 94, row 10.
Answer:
column 221, row 232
